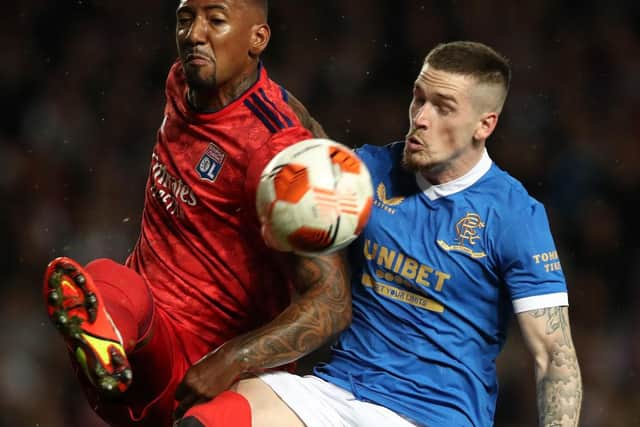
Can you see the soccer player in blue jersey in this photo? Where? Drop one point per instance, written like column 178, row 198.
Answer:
column 454, row 246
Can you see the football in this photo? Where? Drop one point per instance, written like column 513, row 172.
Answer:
column 314, row 197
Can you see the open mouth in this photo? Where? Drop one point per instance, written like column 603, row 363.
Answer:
column 414, row 144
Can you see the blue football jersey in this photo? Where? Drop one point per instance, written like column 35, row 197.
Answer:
column 436, row 275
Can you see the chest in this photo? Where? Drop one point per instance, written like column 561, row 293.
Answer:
column 433, row 247
column 198, row 172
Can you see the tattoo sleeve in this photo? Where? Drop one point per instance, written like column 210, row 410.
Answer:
column 322, row 310
column 559, row 386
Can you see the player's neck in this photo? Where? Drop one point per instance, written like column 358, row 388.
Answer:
column 214, row 100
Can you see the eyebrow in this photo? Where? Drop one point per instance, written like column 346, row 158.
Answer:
column 446, row 98
column 439, row 95
column 187, row 8
column 222, row 7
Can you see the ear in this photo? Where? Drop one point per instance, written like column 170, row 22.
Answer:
column 260, row 35
column 486, row 125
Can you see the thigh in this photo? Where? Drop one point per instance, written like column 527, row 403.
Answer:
column 309, row 398
column 267, row 409
column 319, row 403
column 372, row 415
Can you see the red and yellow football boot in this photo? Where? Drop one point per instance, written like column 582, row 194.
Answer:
column 74, row 306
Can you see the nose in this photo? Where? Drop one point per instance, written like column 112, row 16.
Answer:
column 421, row 117
column 197, row 33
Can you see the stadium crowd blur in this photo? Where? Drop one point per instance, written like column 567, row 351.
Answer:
column 82, row 88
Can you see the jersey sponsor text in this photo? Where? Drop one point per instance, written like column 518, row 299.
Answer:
column 405, row 266
column 168, row 189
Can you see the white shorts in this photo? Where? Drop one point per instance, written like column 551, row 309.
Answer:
column 319, row 403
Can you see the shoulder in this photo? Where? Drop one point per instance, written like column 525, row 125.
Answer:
column 269, row 95
column 507, row 195
column 376, row 156
column 274, row 95
column 302, row 114
column 267, row 104
column 387, row 151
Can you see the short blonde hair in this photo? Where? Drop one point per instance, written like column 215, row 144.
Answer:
column 472, row 59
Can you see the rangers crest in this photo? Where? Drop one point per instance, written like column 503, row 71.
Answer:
column 467, row 233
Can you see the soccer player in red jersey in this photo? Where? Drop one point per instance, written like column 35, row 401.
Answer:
column 202, row 300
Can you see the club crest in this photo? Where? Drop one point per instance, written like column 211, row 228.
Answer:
column 211, row 162
column 467, row 235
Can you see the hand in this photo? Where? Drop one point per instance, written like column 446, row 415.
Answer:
column 207, row 378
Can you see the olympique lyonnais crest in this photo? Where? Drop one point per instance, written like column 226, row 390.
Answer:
column 211, row 162
column 467, row 232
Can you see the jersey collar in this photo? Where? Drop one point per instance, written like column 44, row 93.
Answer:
column 434, row 192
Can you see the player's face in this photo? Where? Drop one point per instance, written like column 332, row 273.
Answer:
column 443, row 122
column 216, row 40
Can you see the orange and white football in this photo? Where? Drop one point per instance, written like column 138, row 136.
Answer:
column 314, row 197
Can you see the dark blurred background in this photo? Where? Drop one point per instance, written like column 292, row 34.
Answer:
column 82, row 89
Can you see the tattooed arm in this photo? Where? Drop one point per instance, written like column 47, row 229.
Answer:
column 321, row 310
column 558, row 384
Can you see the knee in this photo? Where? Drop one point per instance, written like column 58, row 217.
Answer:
column 106, row 272
column 189, row 422
column 102, row 267
column 100, row 262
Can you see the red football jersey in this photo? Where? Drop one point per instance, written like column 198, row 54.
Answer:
column 200, row 247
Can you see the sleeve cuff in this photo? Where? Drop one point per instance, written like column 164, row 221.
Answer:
column 540, row 301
